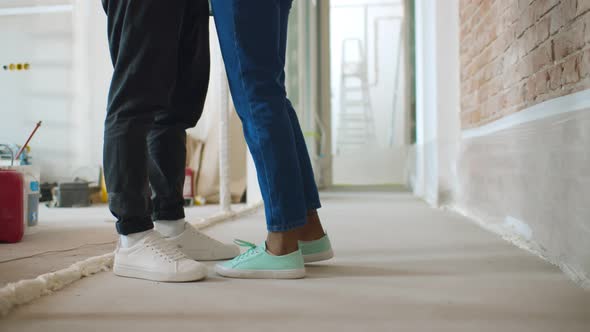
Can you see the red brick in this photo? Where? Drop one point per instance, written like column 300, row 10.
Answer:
column 468, row 102
column 523, row 4
column 569, row 9
column 585, row 84
column 469, row 70
column 528, row 40
column 510, row 15
column 524, row 69
column 490, row 89
column 541, row 57
column 493, row 105
column 536, row 35
column 557, row 19
column 510, row 56
column 526, row 20
column 466, row 120
column 475, row 116
column 516, row 95
column 503, row 5
column 542, row 7
column 569, row 40
column 464, row 87
column 485, row 6
column 585, row 64
column 465, row 32
column 519, row 48
column 517, row 53
column 586, row 19
column 493, row 70
column 583, row 6
column 555, row 78
column 571, row 71
column 467, row 11
column 580, row 86
column 530, row 91
column 542, row 30
column 542, row 81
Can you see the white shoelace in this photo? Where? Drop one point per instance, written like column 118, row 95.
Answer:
column 253, row 249
column 165, row 249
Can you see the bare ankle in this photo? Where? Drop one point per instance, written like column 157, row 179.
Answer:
column 313, row 230
column 282, row 243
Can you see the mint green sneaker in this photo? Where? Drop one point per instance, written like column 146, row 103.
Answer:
column 318, row 250
column 257, row 263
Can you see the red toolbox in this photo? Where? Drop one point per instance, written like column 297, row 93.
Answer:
column 12, row 214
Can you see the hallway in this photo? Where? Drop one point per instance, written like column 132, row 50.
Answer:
column 400, row 266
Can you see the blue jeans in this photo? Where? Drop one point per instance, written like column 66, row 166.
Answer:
column 253, row 39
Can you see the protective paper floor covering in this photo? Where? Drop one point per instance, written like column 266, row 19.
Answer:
column 25, row 291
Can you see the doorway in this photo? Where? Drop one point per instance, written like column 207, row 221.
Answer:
column 370, row 117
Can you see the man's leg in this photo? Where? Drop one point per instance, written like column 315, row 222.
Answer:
column 143, row 38
column 167, row 139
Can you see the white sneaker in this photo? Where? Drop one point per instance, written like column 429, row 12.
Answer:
column 201, row 247
column 154, row 258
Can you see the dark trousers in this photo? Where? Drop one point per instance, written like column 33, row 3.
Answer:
column 160, row 54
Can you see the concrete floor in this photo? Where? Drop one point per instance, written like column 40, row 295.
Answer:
column 400, row 266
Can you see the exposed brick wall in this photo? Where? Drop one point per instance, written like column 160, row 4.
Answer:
column 517, row 53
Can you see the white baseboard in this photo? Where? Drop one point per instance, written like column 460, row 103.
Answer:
column 562, row 105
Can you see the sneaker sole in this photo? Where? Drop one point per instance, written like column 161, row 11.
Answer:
column 130, row 272
column 260, row 274
column 318, row 257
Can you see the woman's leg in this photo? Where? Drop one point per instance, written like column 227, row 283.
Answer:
column 313, row 229
column 250, row 39
column 253, row 42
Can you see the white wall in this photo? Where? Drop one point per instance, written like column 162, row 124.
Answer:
column 43, row 93
column 66, row 87
column 448, row 97
column 92, row 75
column 437, row 96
